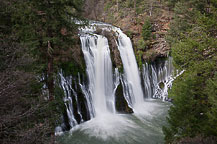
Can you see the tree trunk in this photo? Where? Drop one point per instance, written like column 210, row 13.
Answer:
column 135, row 5
column 50, row 71
column 151, row 6
column 95, row 8
column 117, row 5
column 208, row 9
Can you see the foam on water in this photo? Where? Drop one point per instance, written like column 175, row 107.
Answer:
column 108, row 126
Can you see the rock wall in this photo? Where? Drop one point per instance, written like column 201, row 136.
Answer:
column 131, row 22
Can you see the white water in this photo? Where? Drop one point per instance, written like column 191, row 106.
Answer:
column 94, row 57
column 158, row 79
column 99, row 70
column 122, row 129
column 147, row 82
column 131, row 71
column 68, row 100
column 102, row 84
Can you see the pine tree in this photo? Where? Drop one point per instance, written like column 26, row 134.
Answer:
column 47, row 27
column 193, row 42
column 146, row 30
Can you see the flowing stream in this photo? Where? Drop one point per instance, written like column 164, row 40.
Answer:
column 145, row 92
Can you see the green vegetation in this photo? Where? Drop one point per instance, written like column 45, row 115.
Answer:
column 193, row 41
column 46, row 29
column 141, row 45
column 146, row 30
column 139, row 58
column 33, row 36
column 129, row 34
column 144, row 43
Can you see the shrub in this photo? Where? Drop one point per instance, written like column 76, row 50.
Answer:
column 146, row 30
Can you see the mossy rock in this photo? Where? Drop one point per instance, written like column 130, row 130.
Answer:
column 120, row 102
column 161, row 85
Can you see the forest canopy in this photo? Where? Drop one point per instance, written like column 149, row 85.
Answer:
column 192, row 37
column 33, row 36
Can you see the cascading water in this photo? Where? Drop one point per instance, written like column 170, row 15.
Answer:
column 68, row 100
column 158, row 78
column 131, row 71
column 100, row 91
column 99, row 70
column 97, row 58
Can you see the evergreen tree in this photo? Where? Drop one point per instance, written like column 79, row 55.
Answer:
column 47, row 27
column 146, row 30
column 33, row 34
column 193, row 41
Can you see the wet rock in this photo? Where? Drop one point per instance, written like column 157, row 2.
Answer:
column 120, row 102
column 65, row 125
column 80, row 104
column 83, row 104
column 161, row 85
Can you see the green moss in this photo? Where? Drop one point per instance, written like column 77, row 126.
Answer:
column 71, row 68
column 151, row 55
column 121, row 69
column 129, row 34
column 161, row 85
column 143, row 45
column 120, row 102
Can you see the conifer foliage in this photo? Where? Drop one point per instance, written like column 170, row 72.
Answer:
column 46, row 27
column 33, row 33
column 193, row 41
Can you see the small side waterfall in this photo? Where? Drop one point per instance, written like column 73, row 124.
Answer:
column 148, row 84
column 158, row 78
column 66, row 86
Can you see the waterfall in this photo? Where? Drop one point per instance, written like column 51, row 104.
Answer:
column 68, row 100
column 158, row 78
column 147, row 81
column 99, row 90
column 131, row 71
column 130, row 80
column 99, row 70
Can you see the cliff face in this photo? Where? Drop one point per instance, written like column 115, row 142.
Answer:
column 130, row 18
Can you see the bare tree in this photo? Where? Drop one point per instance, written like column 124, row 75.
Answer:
column 117, row 1
column 135, row 4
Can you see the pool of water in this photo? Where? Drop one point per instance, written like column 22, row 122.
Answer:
column 142, row 127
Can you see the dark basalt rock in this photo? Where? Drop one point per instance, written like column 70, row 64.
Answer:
column 120, row 102
column 65, row 125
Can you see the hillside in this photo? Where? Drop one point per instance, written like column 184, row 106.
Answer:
column 131, row 18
